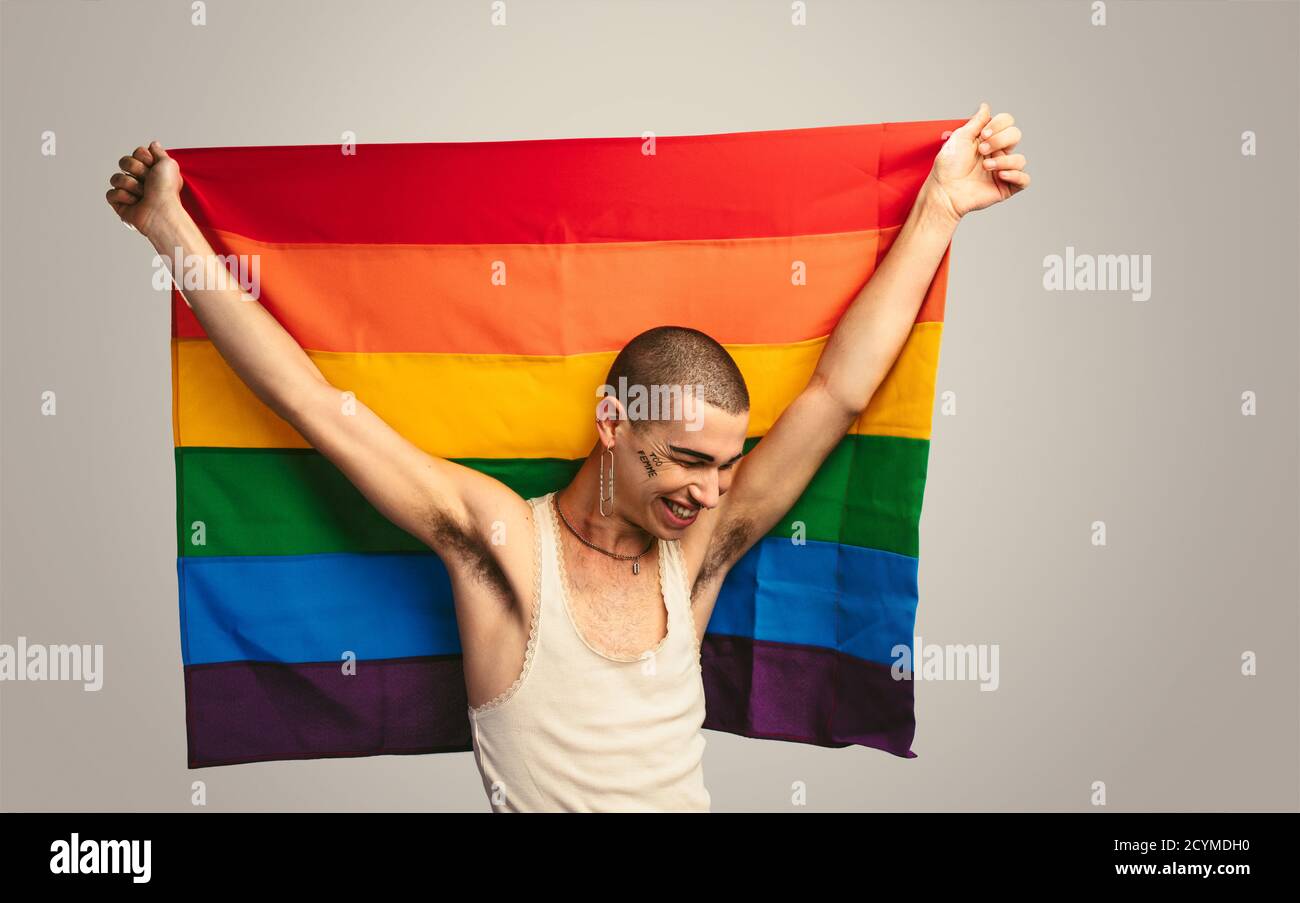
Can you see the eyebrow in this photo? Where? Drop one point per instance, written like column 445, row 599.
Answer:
column 699, row 454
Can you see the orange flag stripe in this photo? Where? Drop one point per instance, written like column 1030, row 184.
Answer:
column 555, row 299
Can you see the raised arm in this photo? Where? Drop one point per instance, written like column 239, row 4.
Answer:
column 973, row 169
column 433, row 499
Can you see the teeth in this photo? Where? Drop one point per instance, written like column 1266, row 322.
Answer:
column 683, row 513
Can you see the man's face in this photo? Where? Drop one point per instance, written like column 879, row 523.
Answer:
column 666, row 473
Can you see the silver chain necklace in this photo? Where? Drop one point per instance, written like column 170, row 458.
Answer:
column 635, row 559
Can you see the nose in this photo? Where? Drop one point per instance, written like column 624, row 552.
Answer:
column 706, row 493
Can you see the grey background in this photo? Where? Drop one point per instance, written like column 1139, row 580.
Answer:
column 1118, row 664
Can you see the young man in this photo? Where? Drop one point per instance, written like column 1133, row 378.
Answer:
column 581, row 632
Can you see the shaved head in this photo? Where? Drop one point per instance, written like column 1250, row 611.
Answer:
column 681, row 356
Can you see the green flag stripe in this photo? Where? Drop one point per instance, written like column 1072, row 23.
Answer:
column 253, row 501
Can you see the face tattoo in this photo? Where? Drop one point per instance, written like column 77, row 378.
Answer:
column 650, row 462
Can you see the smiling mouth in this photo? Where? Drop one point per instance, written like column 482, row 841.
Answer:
column 679, row 514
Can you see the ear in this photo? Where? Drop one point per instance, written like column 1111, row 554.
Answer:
column 610, row 415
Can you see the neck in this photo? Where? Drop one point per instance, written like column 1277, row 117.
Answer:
column 580, row 501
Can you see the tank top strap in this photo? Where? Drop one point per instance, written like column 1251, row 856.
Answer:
column 542, row 525
column 545, row 553
column 676, row 591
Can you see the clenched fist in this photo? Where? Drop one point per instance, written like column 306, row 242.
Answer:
column 148, row 185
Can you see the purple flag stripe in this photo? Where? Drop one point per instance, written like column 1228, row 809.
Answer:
column 263, row 711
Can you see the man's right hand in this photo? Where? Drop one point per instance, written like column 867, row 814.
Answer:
column 148, row 186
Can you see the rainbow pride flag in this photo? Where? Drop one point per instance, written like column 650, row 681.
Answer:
column 380, row 263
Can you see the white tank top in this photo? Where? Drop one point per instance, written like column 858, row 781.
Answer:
column 581, row 731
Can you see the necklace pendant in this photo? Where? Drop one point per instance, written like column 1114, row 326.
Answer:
column 636, row 566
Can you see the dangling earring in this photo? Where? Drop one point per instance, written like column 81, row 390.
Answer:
column 603, row 500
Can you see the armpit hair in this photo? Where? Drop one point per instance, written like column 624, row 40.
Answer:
column 456, row 540
column 726, row 546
